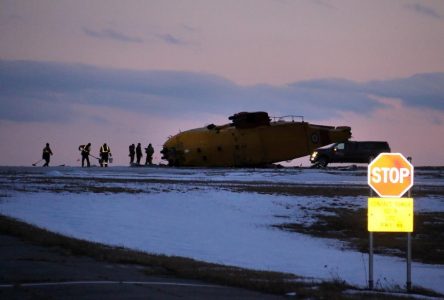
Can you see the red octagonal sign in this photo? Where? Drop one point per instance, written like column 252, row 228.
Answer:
column 390, row 175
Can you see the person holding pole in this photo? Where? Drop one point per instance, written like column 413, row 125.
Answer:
column 46, row 155
column 85, row 149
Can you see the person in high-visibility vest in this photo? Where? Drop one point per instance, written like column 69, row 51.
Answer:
column 46, row 155
column 105, row 153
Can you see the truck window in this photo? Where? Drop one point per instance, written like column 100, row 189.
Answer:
column 340, row 146
column 371, row 146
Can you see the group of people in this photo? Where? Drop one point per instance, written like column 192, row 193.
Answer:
column 137, row 152
column 105, row 154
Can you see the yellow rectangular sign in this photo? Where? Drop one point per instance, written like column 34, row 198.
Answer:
column 390, row 214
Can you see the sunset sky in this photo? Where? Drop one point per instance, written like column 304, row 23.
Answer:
column 122, row 72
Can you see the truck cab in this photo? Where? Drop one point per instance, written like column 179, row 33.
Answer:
column 348, row 152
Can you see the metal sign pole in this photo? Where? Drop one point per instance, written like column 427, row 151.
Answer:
column 409, row 248
column 370, row 255
column 370, row 262
column 409, row 261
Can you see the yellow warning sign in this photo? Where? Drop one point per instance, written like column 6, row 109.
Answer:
column 390, row 214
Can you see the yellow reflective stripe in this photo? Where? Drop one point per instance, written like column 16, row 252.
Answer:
column 107, row 149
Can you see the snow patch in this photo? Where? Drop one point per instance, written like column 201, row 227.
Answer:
column 211, row 224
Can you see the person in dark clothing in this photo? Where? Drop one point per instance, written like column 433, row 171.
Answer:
column 138, row 153
column 149, row 154
column 105, row 153
column 85, row 149
column 46, row 155
column 132, row 152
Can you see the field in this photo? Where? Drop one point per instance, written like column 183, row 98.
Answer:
column 310, row 223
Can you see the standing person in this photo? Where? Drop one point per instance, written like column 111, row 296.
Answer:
column 132, row 152
column 139, row 153
column 85, row 149
column 149, row 154
column 46, row 155
column 105, row 153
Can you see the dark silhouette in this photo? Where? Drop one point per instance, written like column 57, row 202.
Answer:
column 85, row 149
column 46, row 155
column 138, row 153
column 105, row 153
column 132, row 152
column 149, row 154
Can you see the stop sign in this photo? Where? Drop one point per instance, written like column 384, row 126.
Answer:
column 390, row 175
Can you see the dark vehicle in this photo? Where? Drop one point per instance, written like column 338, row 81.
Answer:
column 348, row 152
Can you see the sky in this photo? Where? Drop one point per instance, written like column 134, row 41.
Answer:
column 123, row 72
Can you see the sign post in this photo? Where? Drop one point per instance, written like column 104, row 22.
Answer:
column 390, row 175
column 370, row 254
column 409, row 247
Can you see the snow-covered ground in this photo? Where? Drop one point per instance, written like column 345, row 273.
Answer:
column 173, row 212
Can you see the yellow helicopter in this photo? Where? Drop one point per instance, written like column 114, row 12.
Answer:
column 252, row 139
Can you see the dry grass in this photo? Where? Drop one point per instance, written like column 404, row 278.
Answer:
column 136, row 185
column 350, row 226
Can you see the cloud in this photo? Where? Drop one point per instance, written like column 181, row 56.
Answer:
column 112, row 35
column 170, row 39
column 11, row 19
column 45, row 91
column 189, row 28
column 33, row 108
column 424, row 10
column 324, row 4
column 421, row 90
column 46, row 84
